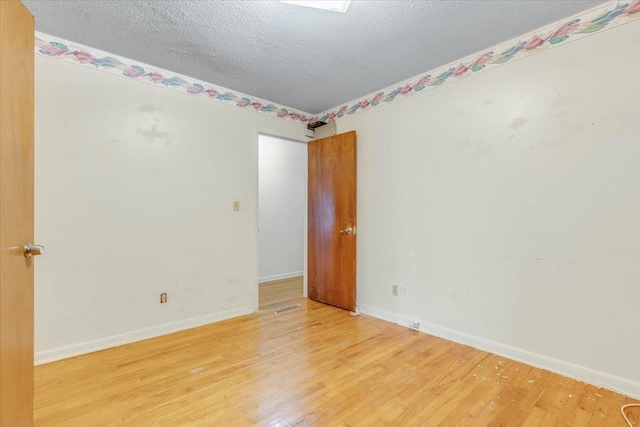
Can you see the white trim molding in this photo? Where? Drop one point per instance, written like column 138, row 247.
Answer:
column 280, row 276
column 591, row 376
column 47, row 356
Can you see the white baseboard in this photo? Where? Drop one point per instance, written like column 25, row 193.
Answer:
column 280, row 276
column 138, row 335
column 598, row 378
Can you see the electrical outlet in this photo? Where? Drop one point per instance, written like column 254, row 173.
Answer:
column 236, row 205
column 394, row 290
column 163, row 298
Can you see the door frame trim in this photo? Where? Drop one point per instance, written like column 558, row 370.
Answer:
column 256, row 213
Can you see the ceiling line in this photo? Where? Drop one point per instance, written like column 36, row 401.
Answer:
column 592, row 21
column 607, row 16
column 79, row 54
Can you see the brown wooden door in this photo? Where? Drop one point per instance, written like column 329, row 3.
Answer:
column 332, row 221
column 16, row 214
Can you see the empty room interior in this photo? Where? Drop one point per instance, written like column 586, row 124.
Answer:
column 319, row 213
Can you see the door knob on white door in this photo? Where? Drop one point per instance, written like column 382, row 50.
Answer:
column 33, row 250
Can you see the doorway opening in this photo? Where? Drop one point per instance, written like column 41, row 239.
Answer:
column 282, row 218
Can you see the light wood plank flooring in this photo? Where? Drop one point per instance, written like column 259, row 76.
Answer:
column 280, row 291
column 310, row 365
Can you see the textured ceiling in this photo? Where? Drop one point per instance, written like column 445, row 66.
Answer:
column 304, row 58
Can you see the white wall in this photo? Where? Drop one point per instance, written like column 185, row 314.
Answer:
column 508, row 205
column 134, row 192
column 282, row 207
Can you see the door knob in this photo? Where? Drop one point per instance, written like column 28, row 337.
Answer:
column 347, row 230
column 33, row 250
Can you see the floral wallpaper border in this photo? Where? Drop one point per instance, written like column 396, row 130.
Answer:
column 76, row 53
column 609, row 15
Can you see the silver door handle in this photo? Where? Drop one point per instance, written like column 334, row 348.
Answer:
column 348, row 230
column 33, row 250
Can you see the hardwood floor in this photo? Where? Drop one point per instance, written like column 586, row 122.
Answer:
column 280, row 291
column 310, row 364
